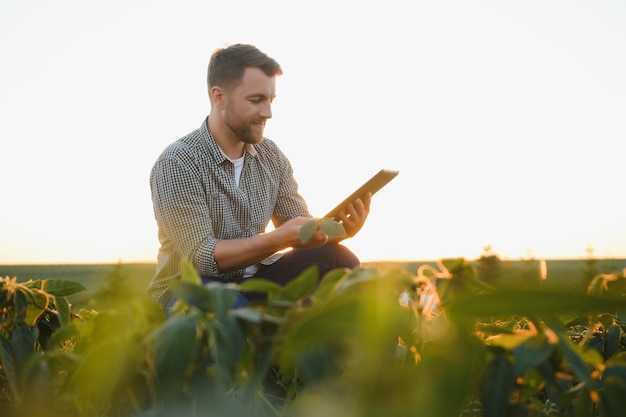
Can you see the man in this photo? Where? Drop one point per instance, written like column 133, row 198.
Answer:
column 215, row 190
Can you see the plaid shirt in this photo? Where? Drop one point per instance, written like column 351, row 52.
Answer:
column 197, row 203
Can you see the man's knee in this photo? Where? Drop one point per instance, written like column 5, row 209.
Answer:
column 334, row 255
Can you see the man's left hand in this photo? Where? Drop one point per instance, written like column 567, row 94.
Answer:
column 354, row 217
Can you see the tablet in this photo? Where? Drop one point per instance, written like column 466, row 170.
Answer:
column 374, row 184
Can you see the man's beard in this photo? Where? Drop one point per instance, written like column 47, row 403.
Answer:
column 242, row 129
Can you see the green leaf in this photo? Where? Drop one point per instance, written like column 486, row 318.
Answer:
column 584, row 405
column 333, row 228
column 590, row 356
column 39, row 385
column 38, row 298
column 318, row 365
column 616, row 372
column 302, row 285
column 229, row 341
column 20, row 303
column 61, row 287
column 102, row 372
column 65, row 333
column 248, row 314
column 192, row 294
column 36, row 307
column 23, row 345
column 8, row 363
column 328, row 285
column 32, row 284
column 189, row 273
column 174, row 345
column 308, row 230
column 499, row 381
column 613, row 390
column 260, row 285
column 580, row 359
column 532, row 353
column 612, row 343
column 88, row 315
column 63, row 309
column 223, row 297
column 329, row 325
column 613, row 401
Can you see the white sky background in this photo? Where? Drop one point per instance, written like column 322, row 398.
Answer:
column 506, row 119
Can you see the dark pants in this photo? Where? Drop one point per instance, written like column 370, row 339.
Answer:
column 293, row 263
column 289, row 266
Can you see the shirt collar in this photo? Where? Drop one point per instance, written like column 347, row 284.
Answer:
column 250, row 149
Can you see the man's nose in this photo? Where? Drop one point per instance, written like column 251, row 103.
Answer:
column 266, row 111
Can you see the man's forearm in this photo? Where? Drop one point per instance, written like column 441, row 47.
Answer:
column 239, row 253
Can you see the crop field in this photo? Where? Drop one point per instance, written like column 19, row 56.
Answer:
column 136, row 276
column 131, row 361
column 559, row 271
column 91, row 276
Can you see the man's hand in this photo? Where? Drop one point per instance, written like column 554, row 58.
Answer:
column 354, row 217
column 232, row 254
column 290, row 232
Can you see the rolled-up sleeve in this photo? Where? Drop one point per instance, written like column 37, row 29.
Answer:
column 182, row 213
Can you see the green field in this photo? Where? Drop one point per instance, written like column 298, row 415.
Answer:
column 559, row 270
column 91, row 276
column 136, row 276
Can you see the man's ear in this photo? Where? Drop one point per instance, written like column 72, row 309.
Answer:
column 216, row 94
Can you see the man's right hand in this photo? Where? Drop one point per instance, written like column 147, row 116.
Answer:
column 290, row 232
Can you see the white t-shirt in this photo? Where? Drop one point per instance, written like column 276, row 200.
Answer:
column 238, row 163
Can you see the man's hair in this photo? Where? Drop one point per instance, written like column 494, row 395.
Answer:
column 227, row 65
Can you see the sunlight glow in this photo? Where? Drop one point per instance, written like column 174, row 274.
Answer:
column 504, row 120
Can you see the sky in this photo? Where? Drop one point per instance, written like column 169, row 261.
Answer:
column 506, row 120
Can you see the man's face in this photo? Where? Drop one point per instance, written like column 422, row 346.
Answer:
column 249, row 105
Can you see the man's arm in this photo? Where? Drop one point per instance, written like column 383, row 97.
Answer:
column 238, row 253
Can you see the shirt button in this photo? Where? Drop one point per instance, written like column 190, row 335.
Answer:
column 246, row 229
column 215, row 196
